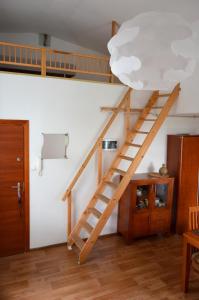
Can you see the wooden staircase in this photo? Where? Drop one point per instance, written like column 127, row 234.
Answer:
column 101, row 216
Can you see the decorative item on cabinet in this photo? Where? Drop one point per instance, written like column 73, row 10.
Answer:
column 163, row 171
column 183, row 164
column 145, row 207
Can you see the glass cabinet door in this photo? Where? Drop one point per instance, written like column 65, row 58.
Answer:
column 142, row 196
column 161, row 195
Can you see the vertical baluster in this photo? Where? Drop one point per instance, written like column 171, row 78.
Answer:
column 77, row 61
column 74, row 62
column 20, row 55
column 4, row 55
column 84, row 64
column 100, row 66
column 9, row 53
column 94, row 65
column 43, row 61
column 55, row 60
column 32, row 57
column 15, row 55
column 60, row 61
column 89, row 63
column 99, row 150
column 26, row 55
column 65, row 55
column 80, row 62
column 69, row 213
column 50, row 58
column 127, row 125
column 36, row 53
column 97, row 68
column 23, row 55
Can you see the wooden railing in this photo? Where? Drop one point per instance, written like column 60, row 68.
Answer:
column 23, row 55
column 125, row 102
column 45, row 59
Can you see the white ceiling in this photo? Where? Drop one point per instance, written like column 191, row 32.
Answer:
column 84, row 22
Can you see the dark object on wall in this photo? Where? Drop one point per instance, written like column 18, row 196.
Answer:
column 109, row 144
column 44, row 40
column 183, row 164
column 145, row 207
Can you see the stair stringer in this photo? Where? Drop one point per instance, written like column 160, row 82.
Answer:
column 131, row 135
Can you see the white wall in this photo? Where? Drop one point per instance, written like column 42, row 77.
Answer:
column 59, row 106
column 20, row 38
column 56, row 106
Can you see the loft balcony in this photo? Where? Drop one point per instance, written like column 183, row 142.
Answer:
column 21, row 58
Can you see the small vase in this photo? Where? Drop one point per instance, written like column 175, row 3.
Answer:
column 163, row 171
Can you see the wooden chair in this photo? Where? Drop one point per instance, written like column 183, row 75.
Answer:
column 194, row 225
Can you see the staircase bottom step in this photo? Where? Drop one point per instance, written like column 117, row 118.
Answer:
column 78, row 241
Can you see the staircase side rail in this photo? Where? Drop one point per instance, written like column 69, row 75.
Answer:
column 95, row 147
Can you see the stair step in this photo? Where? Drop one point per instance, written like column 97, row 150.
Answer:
column 78, row 241
column 103, row 198
column 112, row 184
column 133, row 145
column 150, row 120
column 126, row 157
column 157, row 107
column 87, row 226
column 141, row 132
column 123, row 173
column 164, row 95
column 95, row 212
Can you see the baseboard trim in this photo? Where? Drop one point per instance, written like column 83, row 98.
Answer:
column 108, row 235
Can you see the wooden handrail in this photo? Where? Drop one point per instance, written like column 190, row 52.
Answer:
column 93, row 56
column 95, row 147
column 19, row 45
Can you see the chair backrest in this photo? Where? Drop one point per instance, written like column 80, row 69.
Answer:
column 193, row 218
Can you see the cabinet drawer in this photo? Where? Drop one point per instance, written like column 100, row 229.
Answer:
column 160, row 222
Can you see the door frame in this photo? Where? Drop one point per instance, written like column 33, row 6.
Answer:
column 25, row 124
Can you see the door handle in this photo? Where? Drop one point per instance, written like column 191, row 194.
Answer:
column 19, row 196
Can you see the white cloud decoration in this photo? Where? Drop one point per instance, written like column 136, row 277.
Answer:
column 154, row 51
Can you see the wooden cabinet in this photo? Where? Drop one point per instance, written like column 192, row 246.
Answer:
column 183, row 164
column 145, row 207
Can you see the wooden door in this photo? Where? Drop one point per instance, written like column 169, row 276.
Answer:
column 14, row 216
column 188, row 186
column 160, row 221
column 141, row 225
column 142, row 194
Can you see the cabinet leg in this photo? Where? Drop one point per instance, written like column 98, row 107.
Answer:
column 186, row 265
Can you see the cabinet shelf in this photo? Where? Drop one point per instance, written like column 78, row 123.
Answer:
column 145, row 207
